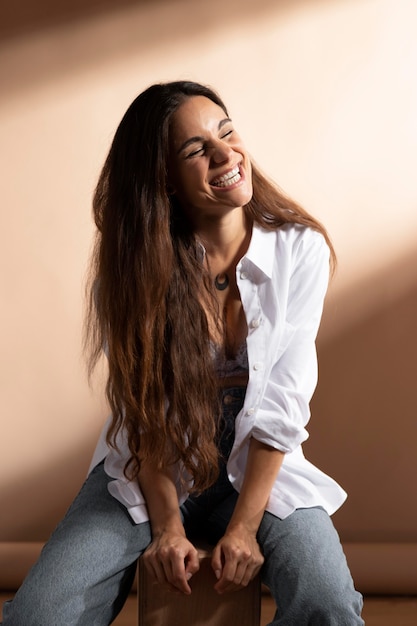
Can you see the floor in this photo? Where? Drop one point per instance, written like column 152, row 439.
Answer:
column 377, row 612
column 387, row 611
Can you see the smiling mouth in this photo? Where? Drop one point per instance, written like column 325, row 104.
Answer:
column 228, row 179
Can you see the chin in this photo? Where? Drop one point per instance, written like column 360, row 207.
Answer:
column 242, row 197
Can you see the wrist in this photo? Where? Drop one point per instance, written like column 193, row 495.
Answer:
column 240, row 526
column 172, row 525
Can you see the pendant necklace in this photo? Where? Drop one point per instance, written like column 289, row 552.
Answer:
column 221, row 282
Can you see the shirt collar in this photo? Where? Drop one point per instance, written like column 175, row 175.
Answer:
column 261, row 251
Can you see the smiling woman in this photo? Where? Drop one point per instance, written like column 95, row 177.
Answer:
column 209, row 167
column 206, row 293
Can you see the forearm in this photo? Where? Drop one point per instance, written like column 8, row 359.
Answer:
column 170, row 557
column 263, row 465
column 237, row 557
column 161, row 498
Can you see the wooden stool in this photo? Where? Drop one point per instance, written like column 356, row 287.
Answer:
column 204, row 607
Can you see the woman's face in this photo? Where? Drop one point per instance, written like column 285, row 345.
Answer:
column 209, row 168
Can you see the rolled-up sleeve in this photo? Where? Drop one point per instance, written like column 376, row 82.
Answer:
column 284, row 410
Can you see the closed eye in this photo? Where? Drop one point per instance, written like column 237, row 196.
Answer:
column 195, row 152
column 202, row 150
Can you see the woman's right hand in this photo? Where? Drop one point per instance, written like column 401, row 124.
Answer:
column 172, row 560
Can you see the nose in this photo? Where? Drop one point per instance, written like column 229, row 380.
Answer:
column 221, row 152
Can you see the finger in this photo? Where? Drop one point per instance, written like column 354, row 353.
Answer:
column 181, row 567
column 216, row 562
column 245, row 573
column 237, row 573
column 249, row 574
column 226, row 580
column 224, row 585
column 156, row 570
column 158, row 563
column 159, row 576
column 192, row 563
column 177, row 576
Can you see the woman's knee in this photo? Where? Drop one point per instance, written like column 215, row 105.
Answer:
column 86, row 565
column 331, row 610
column 306, row 570
column 316, row 600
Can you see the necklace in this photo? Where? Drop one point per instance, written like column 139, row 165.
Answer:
column 221, row 282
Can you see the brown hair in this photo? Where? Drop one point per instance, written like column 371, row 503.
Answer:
column 149, row 293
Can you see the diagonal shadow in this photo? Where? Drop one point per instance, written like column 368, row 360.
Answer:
column 364, row 413
column 26, row 16
column 45, row 40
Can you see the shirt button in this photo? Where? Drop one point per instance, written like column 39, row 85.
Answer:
column 255, row 323
column 250, row 411
column 243, row 275
column 257, row 366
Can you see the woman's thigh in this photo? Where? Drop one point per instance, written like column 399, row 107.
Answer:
column 86, row 568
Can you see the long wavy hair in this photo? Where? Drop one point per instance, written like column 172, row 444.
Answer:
column 149, row 294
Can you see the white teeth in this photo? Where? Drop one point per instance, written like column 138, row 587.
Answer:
column 228, row 179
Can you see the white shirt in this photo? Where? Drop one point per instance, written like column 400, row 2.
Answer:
column 282, row 281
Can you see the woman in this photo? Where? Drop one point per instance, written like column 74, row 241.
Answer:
column 207, row 287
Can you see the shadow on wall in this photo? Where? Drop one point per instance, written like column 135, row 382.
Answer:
column 364, row 427
column 107, row 31
column 27, row 16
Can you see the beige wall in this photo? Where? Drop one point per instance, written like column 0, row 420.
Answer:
column 325, row 94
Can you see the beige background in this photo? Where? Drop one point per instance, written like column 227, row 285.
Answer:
column 325, row 93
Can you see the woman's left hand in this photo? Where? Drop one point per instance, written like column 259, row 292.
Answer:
column 236, row 560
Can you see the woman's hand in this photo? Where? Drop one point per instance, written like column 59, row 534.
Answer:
column 236, row 559
column 172, row 560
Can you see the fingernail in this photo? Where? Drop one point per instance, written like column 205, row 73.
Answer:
column 218, row 573
column 188, row 576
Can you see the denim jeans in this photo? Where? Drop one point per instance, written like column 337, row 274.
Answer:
column 86, row 569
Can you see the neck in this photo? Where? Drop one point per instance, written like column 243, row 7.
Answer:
column 226, row 239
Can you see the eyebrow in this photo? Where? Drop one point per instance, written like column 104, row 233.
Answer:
column 197, row 138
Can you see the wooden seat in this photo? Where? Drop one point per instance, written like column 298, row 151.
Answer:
column 204, row 607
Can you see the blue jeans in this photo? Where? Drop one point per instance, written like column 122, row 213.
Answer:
column 86, row 569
